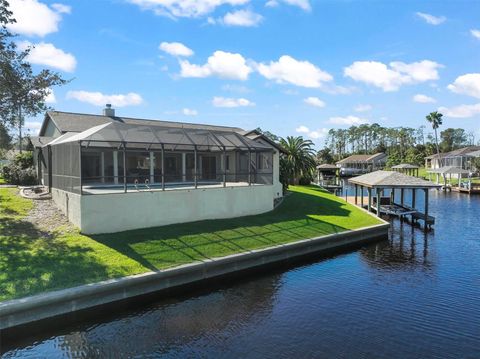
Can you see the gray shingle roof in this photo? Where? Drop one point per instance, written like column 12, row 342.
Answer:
column 40, row 141
column 460, row 152
column 78, row 122
column 391, row 179
column 362, row 158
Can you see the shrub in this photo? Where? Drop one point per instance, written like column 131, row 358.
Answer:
column 24, row 160
column 20, row 171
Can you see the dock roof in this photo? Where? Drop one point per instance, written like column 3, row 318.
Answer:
column 391, row 179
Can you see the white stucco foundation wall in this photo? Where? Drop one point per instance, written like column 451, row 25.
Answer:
column 69, row 204
column 277, row 185
column 110, row 213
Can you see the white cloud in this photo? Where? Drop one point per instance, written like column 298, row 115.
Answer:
column 34, row 18
column 303, row 4
column 245, row 18
column 462, row 111
column 322, row 132
column 415, row 72
column 391, row 78
column 363, row 108
column 221, row 64
column 33, row 127
column 302, row 129
column 62, row 8
column 189, row 112
column 468, row 84
column 185, row 8
column 235, row 88
column 50, row 97
column 420, row 98
column 100, row 99
column 175, row 49
column 430, row 19
column 299, row 73
column 231, row 102
column 347, row 120
column 333, row 89
column 475, row 33
column 47, row 54
column 314, row 101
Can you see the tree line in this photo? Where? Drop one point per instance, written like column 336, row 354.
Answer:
column 401, row 144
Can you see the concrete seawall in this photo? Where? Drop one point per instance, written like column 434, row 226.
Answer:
column 44, row 306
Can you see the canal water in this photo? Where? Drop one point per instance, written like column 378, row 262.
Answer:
column 414, row 295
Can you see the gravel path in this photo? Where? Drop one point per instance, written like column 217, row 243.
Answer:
column 47, row 217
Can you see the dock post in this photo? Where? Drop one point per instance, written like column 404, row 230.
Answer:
column 369, row 199
column 426, row 208
column 414, row 195
column 361, row 198
column 356, row 193
column 402, row 192
column 378, row 202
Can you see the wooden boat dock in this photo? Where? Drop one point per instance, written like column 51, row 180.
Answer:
column 377, row 182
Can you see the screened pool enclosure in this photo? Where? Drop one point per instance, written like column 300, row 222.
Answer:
column 118, row 157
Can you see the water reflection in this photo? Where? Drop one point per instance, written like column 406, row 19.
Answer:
column 174, row 322
column 406, row 249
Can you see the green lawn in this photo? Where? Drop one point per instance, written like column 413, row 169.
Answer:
column 453, row 181
column 33, row 262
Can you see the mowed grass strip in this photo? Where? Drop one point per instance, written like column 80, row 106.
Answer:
column 32, row 261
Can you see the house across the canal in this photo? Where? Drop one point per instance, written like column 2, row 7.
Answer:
column 359, row 164
column 111, row 173
column 461, row 158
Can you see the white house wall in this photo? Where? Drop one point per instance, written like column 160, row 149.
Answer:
column 70, row 204
column 109, row 213
column 277, row 188
column 51, row 130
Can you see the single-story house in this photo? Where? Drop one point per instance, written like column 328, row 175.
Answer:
column 359, row 164
column 461, row 158
column 109, row 173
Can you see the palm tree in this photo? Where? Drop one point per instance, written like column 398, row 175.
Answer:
column 435, row 119
column 299, row 159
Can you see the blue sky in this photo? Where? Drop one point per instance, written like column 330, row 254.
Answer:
column 288, row 66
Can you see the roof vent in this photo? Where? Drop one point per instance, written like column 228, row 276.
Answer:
column 108, row 110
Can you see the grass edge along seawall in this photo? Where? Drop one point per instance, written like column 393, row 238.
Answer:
column 37, row 262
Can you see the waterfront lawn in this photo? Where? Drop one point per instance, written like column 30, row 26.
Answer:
column 32, row 261
column 454, row 181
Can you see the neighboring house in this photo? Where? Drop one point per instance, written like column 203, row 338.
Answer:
column 110, row 173
column 359, row 164
column 461, row 158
